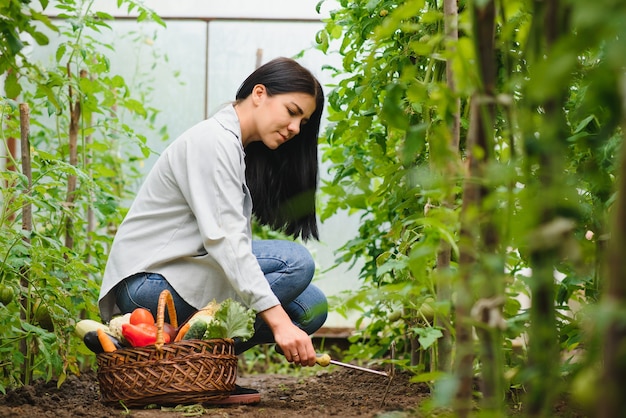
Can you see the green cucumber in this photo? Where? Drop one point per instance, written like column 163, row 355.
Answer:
column 196, row 330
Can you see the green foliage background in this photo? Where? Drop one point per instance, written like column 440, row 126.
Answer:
column 392, row 164
column 52, row 284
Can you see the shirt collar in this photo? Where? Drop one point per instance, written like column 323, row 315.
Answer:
column 227, row 117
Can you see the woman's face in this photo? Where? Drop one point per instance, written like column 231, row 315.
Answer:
column 280, row 117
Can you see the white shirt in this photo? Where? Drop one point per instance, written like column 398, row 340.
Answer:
column 190, row 222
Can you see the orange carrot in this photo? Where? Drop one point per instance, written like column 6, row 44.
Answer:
column 105, row 341
column 182, row 331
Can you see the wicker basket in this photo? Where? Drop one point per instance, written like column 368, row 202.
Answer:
column 192, row 371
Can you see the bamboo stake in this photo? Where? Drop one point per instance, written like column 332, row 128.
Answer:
column 27, row 227
column 11, row 149
column 612, row 402
column 91, row 216
column 444, row 255
column 451, row 28
column 27, row 219
column 75, row 110
column 478, row 237
column 543, row 349
column 491, row 356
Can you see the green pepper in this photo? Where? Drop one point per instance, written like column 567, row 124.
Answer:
column 140, row 335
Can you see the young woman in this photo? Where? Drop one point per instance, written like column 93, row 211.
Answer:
column 189, row 228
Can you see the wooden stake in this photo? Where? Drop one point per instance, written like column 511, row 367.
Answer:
column 27, row 226
column 75, row 110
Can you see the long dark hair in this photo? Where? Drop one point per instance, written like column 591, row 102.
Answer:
column 283, row 182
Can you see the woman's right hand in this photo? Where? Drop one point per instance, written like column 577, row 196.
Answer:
column 295, row 344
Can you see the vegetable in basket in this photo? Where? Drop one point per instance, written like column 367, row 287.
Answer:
column 229, row 320
column 87, row 325
column 141, row 316
column 141, row 335
column 115, row 325
column 92, row 341
column 106, row 341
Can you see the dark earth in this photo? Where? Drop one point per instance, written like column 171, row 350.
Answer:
column 332, row 392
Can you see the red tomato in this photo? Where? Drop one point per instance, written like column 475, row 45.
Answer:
column 141, row 316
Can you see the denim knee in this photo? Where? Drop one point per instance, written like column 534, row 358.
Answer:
column 314, row 322
column 314, row 312
column 142, row 290
column 305, row 263
column 284, row 257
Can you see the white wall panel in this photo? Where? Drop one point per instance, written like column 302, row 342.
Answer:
column 233, row 47
column 256, row 9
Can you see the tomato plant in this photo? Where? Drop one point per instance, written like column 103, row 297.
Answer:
column 520, row 203
column 82, row 165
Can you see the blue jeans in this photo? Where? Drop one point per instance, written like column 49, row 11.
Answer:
column 289, row 269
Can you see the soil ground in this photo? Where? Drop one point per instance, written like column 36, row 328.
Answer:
column 332, row 392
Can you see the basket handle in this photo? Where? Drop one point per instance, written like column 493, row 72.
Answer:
column 165, row 299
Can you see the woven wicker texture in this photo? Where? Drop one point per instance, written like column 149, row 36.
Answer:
column 192, row 371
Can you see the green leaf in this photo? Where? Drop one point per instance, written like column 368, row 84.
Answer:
column 392, row 113
column 60, row 52
column 583, row 123
column 45, row 20
column 427, row 377
column 414, row 143
column 427, row 336
column 104, row 16
column 391, row 265
column 135, row 106
column 232, row 320
column 12, row 87
column 14, row 43
column 371, row 5
column 40, row 38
